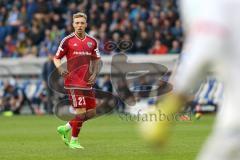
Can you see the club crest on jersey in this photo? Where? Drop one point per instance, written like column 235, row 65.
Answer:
column 89, row 44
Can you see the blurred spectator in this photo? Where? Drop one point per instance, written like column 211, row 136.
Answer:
column 10, row 47
column 35, row 35
column 31, row 9
column 143, row 42
column 177, row 31
column 159, row 48
column 48, row 68
column 22, row 33
column 34, row 94
column 23, row 15
column 12, row 97
column 175, row 47
column 4, row 14
column 30, row 49
column 13, row 18
column 3, row 33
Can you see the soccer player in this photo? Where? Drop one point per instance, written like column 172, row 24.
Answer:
column 82, row 54
column 212, row 39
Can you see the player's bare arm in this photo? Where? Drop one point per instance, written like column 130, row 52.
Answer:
column 61, row 70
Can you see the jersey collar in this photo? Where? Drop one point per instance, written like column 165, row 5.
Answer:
column 80, row 38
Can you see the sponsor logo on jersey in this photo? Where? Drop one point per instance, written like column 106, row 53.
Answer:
column 89, row 44
column 82, row 53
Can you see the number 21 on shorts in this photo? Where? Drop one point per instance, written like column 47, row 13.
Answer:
column 81, row 101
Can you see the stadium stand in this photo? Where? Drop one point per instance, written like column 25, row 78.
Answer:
column 34, row 28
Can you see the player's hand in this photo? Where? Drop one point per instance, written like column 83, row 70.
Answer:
column 92, row 79
column 63, row 72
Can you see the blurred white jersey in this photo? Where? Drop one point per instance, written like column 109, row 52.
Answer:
column 213, row 39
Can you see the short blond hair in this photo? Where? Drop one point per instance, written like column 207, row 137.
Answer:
column 80, row 14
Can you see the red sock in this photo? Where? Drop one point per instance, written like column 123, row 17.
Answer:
column 76, row 124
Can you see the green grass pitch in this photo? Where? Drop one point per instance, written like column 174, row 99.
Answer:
column 107, row 137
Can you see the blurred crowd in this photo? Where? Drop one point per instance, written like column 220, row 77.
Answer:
column 34, row 28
